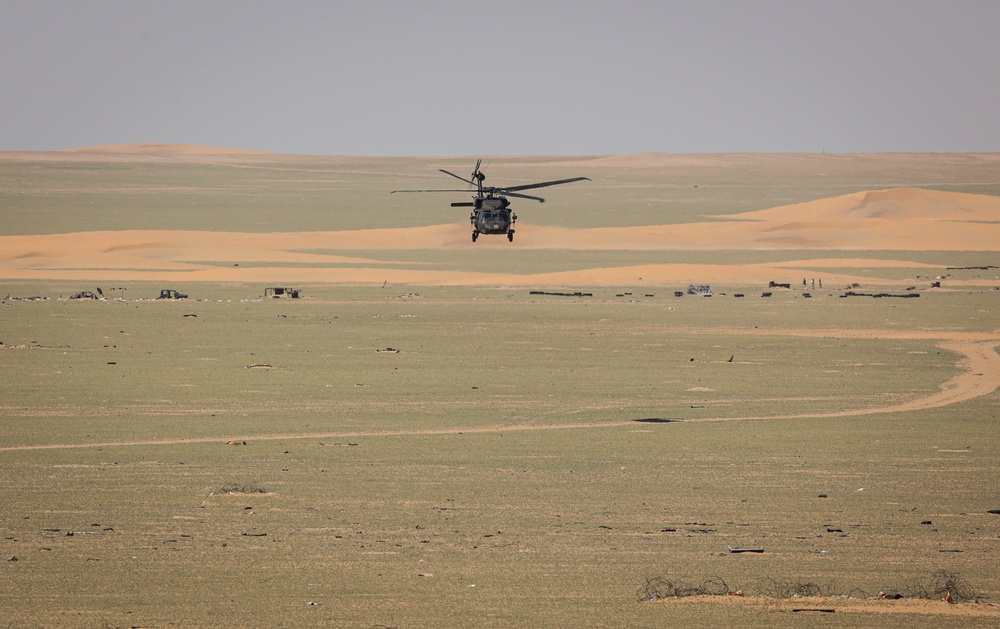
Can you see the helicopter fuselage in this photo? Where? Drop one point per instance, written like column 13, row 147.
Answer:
column 492, row 215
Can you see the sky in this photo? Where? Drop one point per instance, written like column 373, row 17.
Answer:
column 518, row 77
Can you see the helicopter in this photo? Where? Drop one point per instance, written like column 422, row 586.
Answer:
column 491, row 212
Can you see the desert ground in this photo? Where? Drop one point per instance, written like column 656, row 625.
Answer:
column 549, row 431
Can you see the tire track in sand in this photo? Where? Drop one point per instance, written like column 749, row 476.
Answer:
column 980, row 376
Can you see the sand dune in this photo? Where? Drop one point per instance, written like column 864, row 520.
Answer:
column 906, row 219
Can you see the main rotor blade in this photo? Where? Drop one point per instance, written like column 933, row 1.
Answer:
column 468, row 181
column 522, row 196
column 395, row 191
column 545, row 184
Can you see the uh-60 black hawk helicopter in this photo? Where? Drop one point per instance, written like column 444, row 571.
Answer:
column 491, row 212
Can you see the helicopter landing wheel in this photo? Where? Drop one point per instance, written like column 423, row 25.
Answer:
column 475, row 235
column 510, row 236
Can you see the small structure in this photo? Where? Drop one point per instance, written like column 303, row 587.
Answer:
column 278, row 292
column 84, row 295
column 699, row 289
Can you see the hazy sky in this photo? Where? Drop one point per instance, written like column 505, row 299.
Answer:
column 436, row 77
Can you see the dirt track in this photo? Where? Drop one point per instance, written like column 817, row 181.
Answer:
column 980, row 376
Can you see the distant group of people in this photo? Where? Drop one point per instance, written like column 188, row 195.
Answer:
column 813, row 283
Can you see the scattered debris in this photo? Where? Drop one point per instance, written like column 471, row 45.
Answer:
column 699, row 289
column 773, row 284
column 258, row 366
column 851, row 293
column 190, row 316
column 235, row 488
column 971, row 268
column 84, row 295
column 577, row 294
column 390, row 350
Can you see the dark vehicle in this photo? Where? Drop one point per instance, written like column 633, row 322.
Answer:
column 491, row 212
column 168, row 293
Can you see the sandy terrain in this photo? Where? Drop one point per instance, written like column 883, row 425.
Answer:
column 980, row 375
column 904, row 219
